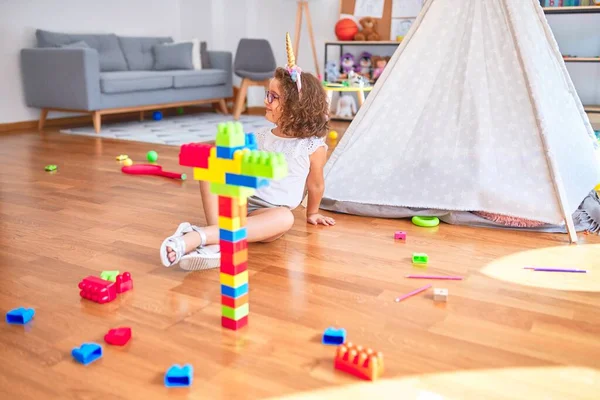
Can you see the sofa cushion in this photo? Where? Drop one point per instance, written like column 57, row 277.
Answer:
column 204, row 77
column 77, row 45
column 135, row 81
column 173, row 56
column 109, row 51
column 138, row 51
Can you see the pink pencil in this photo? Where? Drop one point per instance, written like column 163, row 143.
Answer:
column 406, row 296
column 446, row 278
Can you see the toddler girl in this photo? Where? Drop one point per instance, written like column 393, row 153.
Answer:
column 297, row 104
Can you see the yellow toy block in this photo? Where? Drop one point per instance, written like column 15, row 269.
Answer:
column 209, row 175
column 234, row 281
column 230, row 224
column 224, row 164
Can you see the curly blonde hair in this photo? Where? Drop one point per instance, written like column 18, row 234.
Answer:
column 306, row 115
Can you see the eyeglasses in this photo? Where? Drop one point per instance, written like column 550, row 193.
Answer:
column 271, row 96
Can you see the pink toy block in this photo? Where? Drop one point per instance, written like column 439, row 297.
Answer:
column 400, row 235
column 195, row 155
column 97, row 290
column 118, row 336
column 234, row 325
column 124, row 282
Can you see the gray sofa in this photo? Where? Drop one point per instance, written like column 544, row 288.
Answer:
column 106, row 74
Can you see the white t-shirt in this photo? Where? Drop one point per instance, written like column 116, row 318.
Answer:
column 289, row 190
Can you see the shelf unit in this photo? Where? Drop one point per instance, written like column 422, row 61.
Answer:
column 578, row 10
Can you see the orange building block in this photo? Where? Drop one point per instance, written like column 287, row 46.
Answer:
column 360, row 362
column 229, row 207
column 234, row 302
column 236, row 258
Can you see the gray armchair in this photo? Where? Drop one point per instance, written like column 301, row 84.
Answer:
column 255, row 64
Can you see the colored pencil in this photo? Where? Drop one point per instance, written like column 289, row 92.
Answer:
column 546, row 269
column 447, row 278
column 406, row 296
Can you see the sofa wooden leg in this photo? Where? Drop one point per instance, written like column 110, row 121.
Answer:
column 241, row 98
column 97, row 121
column 42, row 121
column 222, row 106
column 141, row 116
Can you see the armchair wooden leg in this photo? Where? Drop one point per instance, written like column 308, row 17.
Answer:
column 42, row 121
column 241, row 98
column 96, row 118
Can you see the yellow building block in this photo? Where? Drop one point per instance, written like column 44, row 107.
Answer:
column 230, row 224
column 224, row 164
column 234, row 281
column 209, row 175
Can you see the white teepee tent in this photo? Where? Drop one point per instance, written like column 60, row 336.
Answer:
column 474, row 112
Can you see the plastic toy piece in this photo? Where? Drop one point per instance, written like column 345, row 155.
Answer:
column 231, row 224
column 97, row 290
column 230, row 134
column 360, row 362
column 151, row 169
column 235, row 313
column 264, row 165
column 118, row 336
column 334, row 336
column 152, row 156
column 229, row 207
column 400, row 235
column 228, row 152
column 179, row 376
column 195, row 155
column 232, row 247
column 440, row 294
column 20, row 316
column 233, row 236
column 201, row 174
column 236, row 258
column 122, row 157
column 230, row 190
column 230, row 268
column 124, row 282
column 251, row 143
column 232, row 324
column 427, row 222
column 234, row 281
column 234, row 302
column 234, row 292
column 246, row 181
column 420, row 258
column 109, row 275
column 87, row 353
column 51, row 167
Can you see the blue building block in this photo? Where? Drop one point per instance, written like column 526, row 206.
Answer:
column 178, row 376
column 334, row 336
column 251, row 141
column 237, row 292
column 227, row 152
column 20, row 315
column 87, row 353
column 245, row 180
column 233, row 236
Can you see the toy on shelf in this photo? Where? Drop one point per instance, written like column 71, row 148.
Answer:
column 332, row 71
column 179, row 376
column 334, row 336
column 151, row 169
column 157, row 115
column 109, row 275
column 87, row 353
column 118, row 336
column 379, row 64
column 369, row 30
column 345, row 29
column 152, row 156
column 234, row 169
column 20, row 316
column 347, row 62
column 356, row 80
column 365, row 64
column 440, row 294
column 346, row 107
column 362, row 363
column 97, row 290
column 400, row 235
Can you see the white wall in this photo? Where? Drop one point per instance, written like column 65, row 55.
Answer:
column 20, row 18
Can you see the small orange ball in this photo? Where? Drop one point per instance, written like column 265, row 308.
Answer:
column 128, row 162
column 333, row 135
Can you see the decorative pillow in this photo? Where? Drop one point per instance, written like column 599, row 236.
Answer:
column 76, row 45
column 199, row 54
column 173, row 56
column 204, row 56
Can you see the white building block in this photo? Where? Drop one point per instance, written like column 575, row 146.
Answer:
column 440, row 294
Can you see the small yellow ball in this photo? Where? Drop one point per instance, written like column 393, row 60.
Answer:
column 333, row 135
column 128, row 162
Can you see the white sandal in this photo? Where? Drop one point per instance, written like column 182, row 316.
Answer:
column 202, row 258
column 176, row 243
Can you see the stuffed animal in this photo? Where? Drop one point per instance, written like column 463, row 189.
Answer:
column 347, row 64
column 364, row 65
column 357, row 80
column 379, row 63
column 332, row 71
column 369, row 30
column 346, row 107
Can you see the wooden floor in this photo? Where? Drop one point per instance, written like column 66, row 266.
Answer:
column 497, row 337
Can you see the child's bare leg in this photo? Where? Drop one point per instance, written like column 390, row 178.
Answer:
column 269, row 224
column 210, row 203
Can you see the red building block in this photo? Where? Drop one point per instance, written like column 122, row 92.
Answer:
column 118, row 336
column 232, row 247
column 195, row 155
column 124, row 282
column 234, row 302
column 229, row 207
column 234, row 325
column 97, row 289
column 360, row 362
column 231, row 269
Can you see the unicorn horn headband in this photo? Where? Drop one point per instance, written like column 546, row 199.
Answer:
column 291, row 67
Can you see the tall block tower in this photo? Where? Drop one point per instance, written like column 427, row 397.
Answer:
column 235, row 169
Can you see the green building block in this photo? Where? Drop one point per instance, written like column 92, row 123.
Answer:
column 264, row 165
column 235, row 313
column 109, row 275
column 230, row 134
column 222, row 189
column 419, row 258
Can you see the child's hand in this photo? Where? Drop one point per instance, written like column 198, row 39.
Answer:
column 317, row 219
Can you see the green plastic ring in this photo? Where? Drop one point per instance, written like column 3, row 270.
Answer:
column 427, row 222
